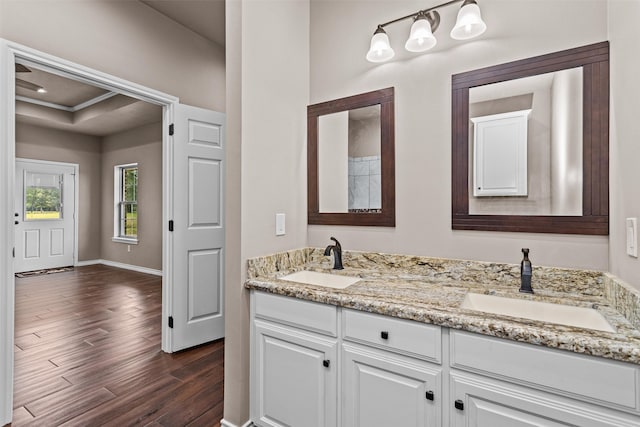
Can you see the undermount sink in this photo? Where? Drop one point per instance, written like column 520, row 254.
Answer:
column 581, row 317
column 335, row 281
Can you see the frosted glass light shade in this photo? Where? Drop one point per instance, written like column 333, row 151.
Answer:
column 469, row 23
column 420, row 38
column 380, row 49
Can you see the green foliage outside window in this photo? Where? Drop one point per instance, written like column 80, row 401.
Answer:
column 129, row 202
column 42, row 203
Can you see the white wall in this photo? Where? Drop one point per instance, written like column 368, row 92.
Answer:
column 566, row 143
column 271, row 80
column 624, row 134
column 340, row 34
column 333, row 173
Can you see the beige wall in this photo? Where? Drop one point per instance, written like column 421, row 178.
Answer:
column 340, row 34
column 269, row 126
column 142, row 145
column 625, row 134
column 34, row 142
column 126, row 39
column 96, row 158
column 236, row 355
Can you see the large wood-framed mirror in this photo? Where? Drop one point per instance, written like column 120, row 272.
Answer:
column 351, row 161
column 571, row 160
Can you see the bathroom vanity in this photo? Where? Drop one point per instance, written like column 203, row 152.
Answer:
column 396, row 348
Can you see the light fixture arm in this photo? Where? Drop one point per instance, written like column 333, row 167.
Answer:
column 425, row 12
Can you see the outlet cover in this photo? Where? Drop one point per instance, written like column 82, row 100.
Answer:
column 632, row 237
column 280, row 230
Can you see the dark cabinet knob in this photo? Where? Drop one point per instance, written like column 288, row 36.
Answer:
column 16, row 214
column 430, row 395
column 384, row 335
column 459, row 404
column 325, row 363
column 16, row 222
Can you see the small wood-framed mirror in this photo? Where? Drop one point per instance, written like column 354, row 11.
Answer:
column 351, row 161
column 579, row 110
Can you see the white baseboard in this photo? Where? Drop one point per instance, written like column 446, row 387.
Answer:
column 120, row 265
column 225, row 423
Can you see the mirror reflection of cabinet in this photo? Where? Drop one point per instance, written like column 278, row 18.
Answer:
column 350, row 160
column 568, row 171
column 500, row 154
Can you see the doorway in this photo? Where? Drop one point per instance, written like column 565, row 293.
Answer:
column 190, row 266
column 45, row 216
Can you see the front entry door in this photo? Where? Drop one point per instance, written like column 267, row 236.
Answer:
column 198, row 227
column 44, row 215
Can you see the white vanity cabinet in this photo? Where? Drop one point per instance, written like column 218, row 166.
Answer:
column 390, row 372
column 294, row 362
column 499, row 383
column 319, row 365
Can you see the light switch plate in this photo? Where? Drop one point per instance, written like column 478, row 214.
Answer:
column 280, row 219
column 632, row 237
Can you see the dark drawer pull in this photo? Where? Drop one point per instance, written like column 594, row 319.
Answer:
column 430, row 395
column 384, row 335
column 325, row 363
column 459, row 404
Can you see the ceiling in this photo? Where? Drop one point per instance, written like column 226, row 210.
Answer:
column 204, row 17
column 78, row 107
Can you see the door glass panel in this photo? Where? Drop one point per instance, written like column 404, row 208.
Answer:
column 42, row 196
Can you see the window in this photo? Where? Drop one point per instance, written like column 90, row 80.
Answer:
column 125, row 216
column 42, row 196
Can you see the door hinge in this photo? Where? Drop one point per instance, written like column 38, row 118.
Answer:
column 171, row 322
column 170, row 225
column 14, row 252
column 171, row 129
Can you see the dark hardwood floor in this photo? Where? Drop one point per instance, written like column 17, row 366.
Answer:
column 87, row 353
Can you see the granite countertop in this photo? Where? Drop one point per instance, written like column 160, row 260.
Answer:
column 430, row 290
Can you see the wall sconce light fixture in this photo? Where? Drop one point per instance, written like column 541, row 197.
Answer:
column 469, row 24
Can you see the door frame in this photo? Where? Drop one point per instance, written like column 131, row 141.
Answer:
column 76, row 196
column 10, row 52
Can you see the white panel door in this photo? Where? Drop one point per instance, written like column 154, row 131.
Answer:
column 295, row 377
column 198, row 227
column 383, row 389
column 44, row 215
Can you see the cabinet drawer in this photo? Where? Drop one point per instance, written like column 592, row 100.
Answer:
column 404, row 336
column 593, row 378
column 313, row 316
column 483, row 402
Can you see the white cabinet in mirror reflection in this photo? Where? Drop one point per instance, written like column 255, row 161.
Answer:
column 500, row 154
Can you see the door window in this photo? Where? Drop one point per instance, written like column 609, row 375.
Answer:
column 42, row 196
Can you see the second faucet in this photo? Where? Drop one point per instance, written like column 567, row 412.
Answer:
column 337, row 254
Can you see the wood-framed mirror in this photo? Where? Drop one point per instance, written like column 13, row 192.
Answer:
column 351, row 160
column 488, row 94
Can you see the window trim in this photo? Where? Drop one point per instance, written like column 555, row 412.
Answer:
column 117, row 196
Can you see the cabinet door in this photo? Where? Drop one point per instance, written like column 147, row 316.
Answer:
column 383, row 389
column 295, row 377
column 483, row 402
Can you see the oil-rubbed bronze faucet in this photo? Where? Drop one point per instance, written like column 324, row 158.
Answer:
column 526, row 270
column 337, row 254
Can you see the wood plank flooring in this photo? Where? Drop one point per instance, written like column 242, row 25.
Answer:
column 87, row 353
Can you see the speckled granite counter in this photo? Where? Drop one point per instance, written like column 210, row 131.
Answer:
column 430, row 290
